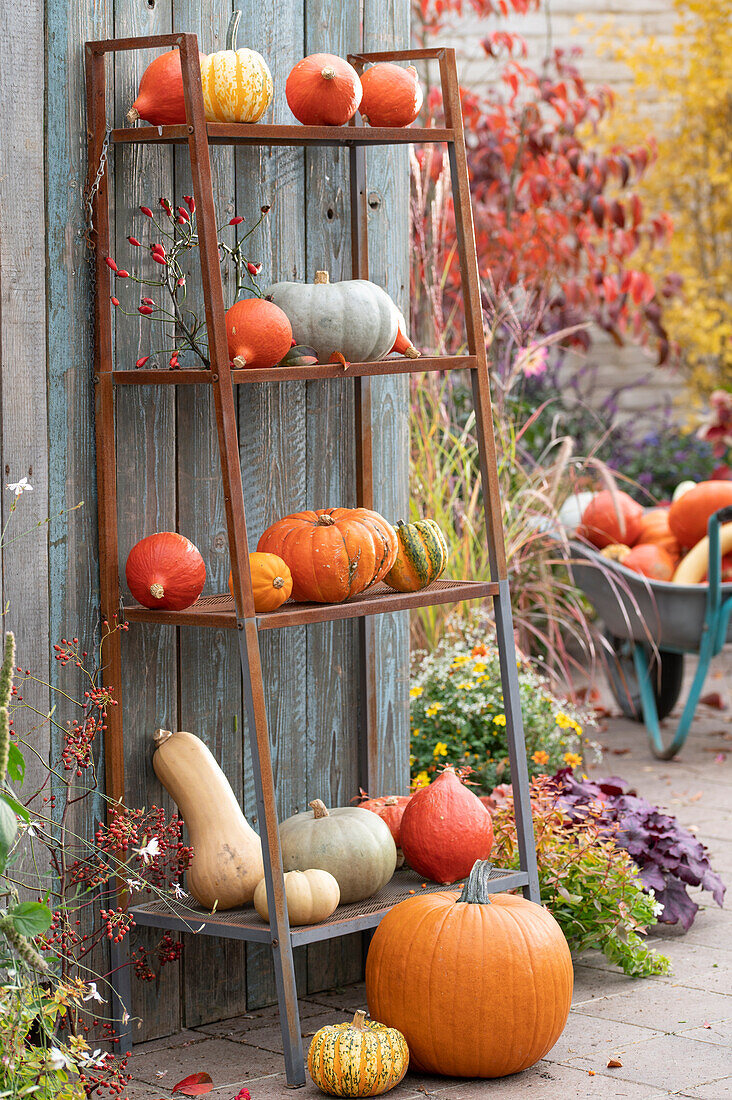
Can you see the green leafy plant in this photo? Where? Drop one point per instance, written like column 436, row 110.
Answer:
column 458, row 718
column 588, row 882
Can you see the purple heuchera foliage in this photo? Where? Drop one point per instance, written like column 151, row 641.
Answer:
column 669, row 857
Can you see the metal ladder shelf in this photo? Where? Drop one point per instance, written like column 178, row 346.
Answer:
column 238, row 613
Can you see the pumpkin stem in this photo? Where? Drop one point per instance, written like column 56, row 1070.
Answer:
column 157, row 591
column 132, row 115
column 161, row 736
column 328, row 73
column 321, row 278
column 319, row 808
column 475, row 891
column 358, row 1019
column 325, row 520
column 233, row 30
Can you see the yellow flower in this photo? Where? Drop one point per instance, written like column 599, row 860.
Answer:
column 422, row 780
column 459, row 662
column 440, row 749
column 412, row 760
column 482, row 679
column 540, row 757
column 572, row 759
column 433, row 709
column 479, row 667
column 499, row 720
column 416, row 732
column 416, row 691
column 466, row 685
column 566, row 723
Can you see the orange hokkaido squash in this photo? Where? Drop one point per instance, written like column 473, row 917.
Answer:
column 689, row 515
column 392, row 95
column 160, row 95
column 655, row 531
column 611, row 517
column 333, row 553
column 165, row 571
column 323, row 90
column 652, row 561
column 479, row 984
column 445, row 828
column 258, row 333
column 271, row 581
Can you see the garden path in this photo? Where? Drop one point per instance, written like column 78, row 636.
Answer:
column 672, row 1034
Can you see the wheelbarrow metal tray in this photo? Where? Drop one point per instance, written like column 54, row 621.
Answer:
column 671, row 616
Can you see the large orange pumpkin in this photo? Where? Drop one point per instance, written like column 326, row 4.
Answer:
column 652, row 561
column 445, row 828
column 479, row 984
column 655, row 531
column 271, row 581
column 258, row 333
column 689, row 515
column 332, row 553
column 611, row 517
column 323, row 90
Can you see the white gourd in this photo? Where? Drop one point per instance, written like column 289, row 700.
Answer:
column 312, row 896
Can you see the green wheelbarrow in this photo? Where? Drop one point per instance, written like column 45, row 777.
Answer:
column 650, row 626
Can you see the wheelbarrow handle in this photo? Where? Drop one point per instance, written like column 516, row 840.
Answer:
column 724, row 515
column 714, row 573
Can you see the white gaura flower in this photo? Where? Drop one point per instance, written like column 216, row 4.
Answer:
column 20, row 487
column 95, row 1059
column 149, row 850
column 178, row 891
column 57, row 1059
column 135, row 883
column 93, row 994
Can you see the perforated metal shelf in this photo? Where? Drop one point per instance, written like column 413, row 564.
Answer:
column 218, row 611
column 244, row 924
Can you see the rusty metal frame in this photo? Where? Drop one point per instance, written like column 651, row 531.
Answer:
column 239, row 613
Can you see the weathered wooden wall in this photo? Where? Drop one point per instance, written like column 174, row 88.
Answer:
column 297, row 444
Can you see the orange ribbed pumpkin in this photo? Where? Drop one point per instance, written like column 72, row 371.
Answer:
column 323, row 90
column 165, row 571
column 258, row 333
column 611, row 517
column 271, row 581
column 652, row 561
column 655, row 531
column 332, row 553
column 479, row 984
column 392, row 95
column 445, row 828
column 688, row 516
column 160, row 95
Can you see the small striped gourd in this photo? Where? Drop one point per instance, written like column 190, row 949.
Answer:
column 421, row 558
column 237, row 84
column 359, row 1058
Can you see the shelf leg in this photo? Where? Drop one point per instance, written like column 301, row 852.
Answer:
column 119, row 957
column 284, row 966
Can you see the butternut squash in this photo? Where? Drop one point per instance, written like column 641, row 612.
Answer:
column 694, row 567
column 227, row 853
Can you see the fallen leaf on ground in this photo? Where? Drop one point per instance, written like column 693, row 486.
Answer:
column 619, row 752
column 707, row 1026
column 720, row 758
column 614, row 1063
column 713, row 699
column 198, row 1084
column 696, row 797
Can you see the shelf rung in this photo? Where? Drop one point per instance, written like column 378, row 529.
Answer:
column 224, row 133
column 245, row 924
column 306, row 372
column 218, row 611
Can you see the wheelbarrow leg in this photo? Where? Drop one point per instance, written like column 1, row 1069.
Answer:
column 648, row 699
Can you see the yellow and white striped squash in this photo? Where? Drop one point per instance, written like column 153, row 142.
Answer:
column 359, row 1058
column 421, row 558
column 237, row 84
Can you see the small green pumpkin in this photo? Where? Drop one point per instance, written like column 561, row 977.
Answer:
column 421, row 558
column 360, row 1058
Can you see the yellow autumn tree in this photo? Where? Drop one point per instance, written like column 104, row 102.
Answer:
column 682, row 93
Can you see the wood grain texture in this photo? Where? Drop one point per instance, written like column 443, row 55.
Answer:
column 24, row 605
column 332, row 673
column 214, row 986
column 386, row 27
column 146, row 433
column 272, row 428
